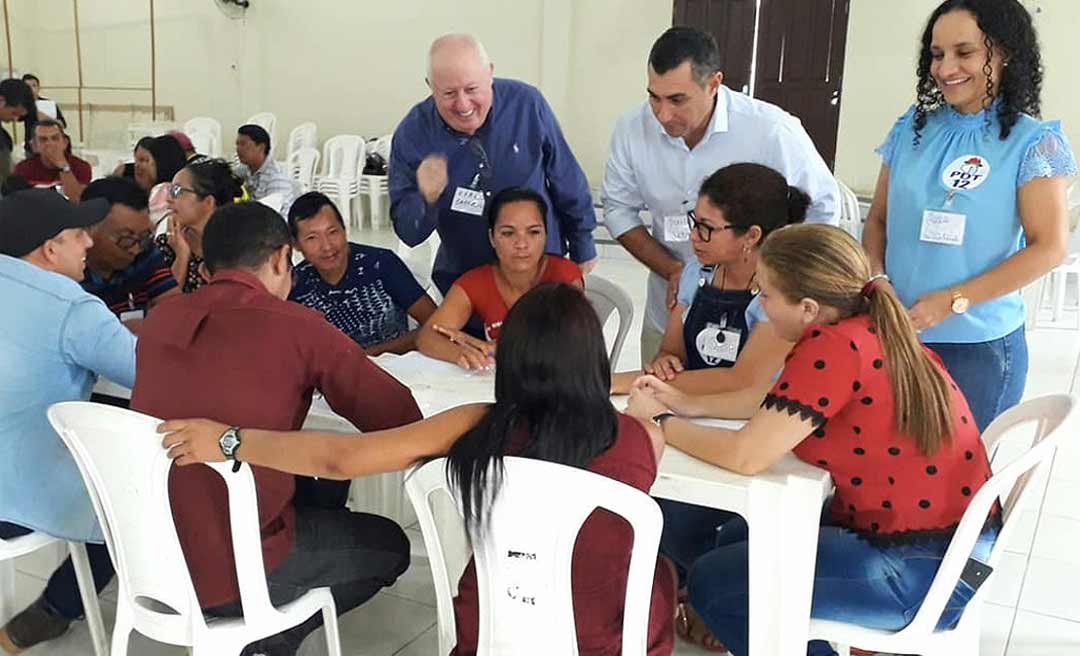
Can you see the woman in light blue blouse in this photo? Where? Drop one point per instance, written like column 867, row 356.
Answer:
column 970, row 202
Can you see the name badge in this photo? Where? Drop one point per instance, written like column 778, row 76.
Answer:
column 128, row 315
column 716, row 344
column 468, row 201
column 966, row 173
column 939, row 227
column 676, row 228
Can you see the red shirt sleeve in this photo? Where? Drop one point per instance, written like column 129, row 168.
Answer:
column 81, row 170
column 354, row 386
column 560, row 269
column 816, row 381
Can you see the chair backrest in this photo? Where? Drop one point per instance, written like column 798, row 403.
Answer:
column 343, row 157
column 302, row 164
column 607, row 297
column 523, row 559
column 1054, row 417
column 126, row 471
column 304, row 135
column 205, row 135
column 850, row 215
column 268, row 122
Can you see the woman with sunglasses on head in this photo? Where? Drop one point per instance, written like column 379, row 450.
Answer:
column 518, row 232
column 860, row 397
column 717, row 338
column 197, row 190
column 970, row 200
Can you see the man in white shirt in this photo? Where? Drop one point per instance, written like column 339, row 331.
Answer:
column 262, row 175
column 663, row 149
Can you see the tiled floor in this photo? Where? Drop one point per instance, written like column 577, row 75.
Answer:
column 1034, row 608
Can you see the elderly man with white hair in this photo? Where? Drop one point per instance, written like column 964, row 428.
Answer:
column 474, row 136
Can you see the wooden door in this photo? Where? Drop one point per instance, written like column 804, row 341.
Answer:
column 732, row 24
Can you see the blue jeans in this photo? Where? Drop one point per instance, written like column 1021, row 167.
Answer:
column 990, row 374
column 854, row 580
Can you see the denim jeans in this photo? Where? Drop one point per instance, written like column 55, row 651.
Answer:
column 991, row 374
column 355, row 554
column 62, row 590
column 854, row 580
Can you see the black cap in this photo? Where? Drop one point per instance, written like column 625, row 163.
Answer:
column 31, row 217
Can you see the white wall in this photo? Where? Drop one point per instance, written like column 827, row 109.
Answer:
column 879, row 75
column 351, row 66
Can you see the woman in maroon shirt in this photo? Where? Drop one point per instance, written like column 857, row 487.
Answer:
column 543, row 409
column 861, row 398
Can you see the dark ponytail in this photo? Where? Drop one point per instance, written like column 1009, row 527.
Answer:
column 755, row 195
column 214, row 177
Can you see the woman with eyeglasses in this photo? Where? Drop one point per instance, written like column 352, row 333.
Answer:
column 518, row 233
column 197, row 190
column 717, row 338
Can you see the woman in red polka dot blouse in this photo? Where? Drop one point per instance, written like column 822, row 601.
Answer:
column 861, row 398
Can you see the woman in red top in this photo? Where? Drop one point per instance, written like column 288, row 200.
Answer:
column 861, row 398
column 518, row 233
column 543, row 409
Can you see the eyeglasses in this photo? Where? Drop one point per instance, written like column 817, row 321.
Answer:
column 704, row 232
column 128, row 241
column 484, row 170
column 176, row 190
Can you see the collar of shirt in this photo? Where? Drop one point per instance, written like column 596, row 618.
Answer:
column 239, row 277
column 718, row 122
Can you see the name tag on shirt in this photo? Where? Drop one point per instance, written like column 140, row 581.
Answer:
column 676, row 228
column 939, row 227
column 717, row 344
column 468, row 201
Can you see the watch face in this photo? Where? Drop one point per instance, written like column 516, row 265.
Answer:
column 229, row 441
column 960, row 305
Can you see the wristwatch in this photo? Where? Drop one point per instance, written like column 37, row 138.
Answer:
column 960, row 302
column 66, row 168
column 658, row 420
column 229, row 443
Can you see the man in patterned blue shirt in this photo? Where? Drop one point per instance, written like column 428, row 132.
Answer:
column 366, row 292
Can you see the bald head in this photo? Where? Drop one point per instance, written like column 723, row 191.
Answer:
column 460, row 76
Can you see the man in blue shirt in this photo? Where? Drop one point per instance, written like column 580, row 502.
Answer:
column 55, row 341
column 474, row 136
column 365, row 292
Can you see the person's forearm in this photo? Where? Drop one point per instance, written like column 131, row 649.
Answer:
column 401, row 344
column 179, row 269
column 650, row 252
column 434, row 345
column 737, row 404
column 1029, row 264
column 72, row 187
column 718, row 446
column 341, row 456
column 873, row 241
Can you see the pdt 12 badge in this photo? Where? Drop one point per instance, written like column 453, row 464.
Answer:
column 966, row 173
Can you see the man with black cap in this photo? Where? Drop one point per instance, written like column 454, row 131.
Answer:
column 262, row 175
column 56, row 340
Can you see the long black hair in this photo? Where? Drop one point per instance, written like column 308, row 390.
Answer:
column 168, row 156
column 552, row 388
column 1006, row 25
column 214, row 177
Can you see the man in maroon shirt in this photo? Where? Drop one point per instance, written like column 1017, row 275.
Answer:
column 237, row 351
column 53, row 162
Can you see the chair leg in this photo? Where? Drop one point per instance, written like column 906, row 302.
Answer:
column 7, row 591
column 88, row 592
column 330, row 624
column 122, row 629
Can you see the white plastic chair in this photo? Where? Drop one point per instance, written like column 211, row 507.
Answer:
column 525, row 602
column 205, row 135
column 850, row 216
column 377, row 187
column 26, row 544
column 304, row 135
column 126, row 471
column 301, row 165
column 342, row 165
column 1054, row 418
column 607, row 297
column 268, row 122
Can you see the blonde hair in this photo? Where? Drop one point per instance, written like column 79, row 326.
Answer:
column 827, row 265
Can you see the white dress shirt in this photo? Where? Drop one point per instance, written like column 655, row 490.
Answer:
column 647, row 169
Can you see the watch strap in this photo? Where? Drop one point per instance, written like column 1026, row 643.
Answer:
column 660, row 418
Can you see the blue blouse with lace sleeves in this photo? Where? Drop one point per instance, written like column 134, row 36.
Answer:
column 1048, row 156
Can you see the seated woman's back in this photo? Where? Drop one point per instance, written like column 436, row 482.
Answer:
column 548, row 410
